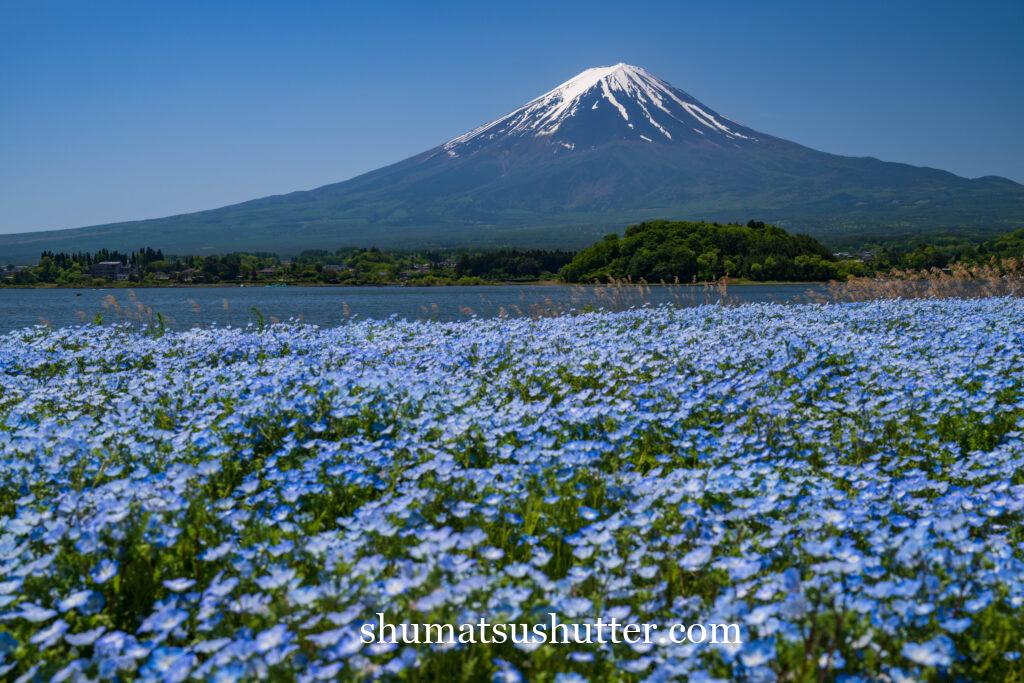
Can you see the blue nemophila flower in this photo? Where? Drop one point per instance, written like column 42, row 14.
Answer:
column 49, row 635
column 34, row 613
column 938, row 651
column 169, row 664
column 179, row 585
column 757, row 653
column 506, row 672
column 219, row 588
column 164, row 621
column 104, row 571
column 84, row 601
column 696, row 558
column 272, row 638
column 956, row 625
column 569, row 678
column 84, row 638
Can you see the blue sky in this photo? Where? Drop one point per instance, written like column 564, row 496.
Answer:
column 120, row 110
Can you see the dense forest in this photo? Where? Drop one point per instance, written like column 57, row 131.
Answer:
column 677, row 251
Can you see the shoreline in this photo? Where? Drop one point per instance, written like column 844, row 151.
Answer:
column 399, row 285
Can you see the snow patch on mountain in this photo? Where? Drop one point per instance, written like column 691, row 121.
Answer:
column 634, row 95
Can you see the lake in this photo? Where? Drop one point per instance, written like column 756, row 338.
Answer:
column 237, row 306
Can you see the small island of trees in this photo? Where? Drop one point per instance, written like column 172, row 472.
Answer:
column 682, row 251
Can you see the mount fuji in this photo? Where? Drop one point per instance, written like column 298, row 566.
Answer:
column 611, row 146
column 602, row 105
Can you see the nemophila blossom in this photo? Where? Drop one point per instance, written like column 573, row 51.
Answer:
column 105, row 570
column 843, row 482
column 85, row 637
column 695, row 559
column 935, row 652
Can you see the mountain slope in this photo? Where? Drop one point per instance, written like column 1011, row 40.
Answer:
column 611, row 146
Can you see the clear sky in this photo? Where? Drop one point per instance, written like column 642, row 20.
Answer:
column 119, row 110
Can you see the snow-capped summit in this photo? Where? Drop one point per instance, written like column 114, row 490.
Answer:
column 601, row 104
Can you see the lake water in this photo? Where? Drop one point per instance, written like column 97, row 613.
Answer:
column 326, row 306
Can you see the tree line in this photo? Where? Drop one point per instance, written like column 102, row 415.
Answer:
column 923, row 252
column 654, row 251
column 348, row 266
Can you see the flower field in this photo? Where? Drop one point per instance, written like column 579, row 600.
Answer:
column 845, row 482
